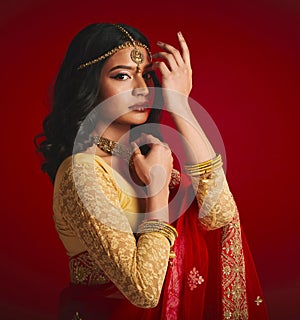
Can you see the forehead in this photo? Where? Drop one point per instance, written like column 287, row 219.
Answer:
column 124, row 57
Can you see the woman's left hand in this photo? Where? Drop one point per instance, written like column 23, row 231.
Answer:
column 176, row 71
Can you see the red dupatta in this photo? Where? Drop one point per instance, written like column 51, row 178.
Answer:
column 212, row 277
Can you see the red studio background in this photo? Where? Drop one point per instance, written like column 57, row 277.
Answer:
column 245, row 59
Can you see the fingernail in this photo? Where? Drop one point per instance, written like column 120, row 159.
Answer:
column 180, row 34
column 159, row 43
column 134, row 145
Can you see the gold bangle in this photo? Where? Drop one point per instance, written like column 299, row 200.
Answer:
column 205, row 164
column 155, row 224
column 205, row 171
column 217, row 158
column 161, row 227
column 204, row 167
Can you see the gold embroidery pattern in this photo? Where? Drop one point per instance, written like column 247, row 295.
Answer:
column 233, row 272
column 194, row 279
column 175, row 179
column 216, row 203
column 258, row 300
column 84, row 270
column 137, row 269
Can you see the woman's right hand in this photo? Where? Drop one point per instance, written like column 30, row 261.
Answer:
column 153, row 169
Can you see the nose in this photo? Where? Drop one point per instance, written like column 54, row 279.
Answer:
column 140, row 87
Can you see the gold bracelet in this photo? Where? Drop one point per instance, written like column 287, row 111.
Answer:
column 156, row 224
column 170, row 236
column 198, row 172
column 206, row 164
column 205, row 167
column 161, row 227
column 217, row 157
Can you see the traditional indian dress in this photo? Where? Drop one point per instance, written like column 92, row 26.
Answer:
column 114, row 275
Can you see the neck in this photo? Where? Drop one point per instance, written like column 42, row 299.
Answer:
column 115, row 132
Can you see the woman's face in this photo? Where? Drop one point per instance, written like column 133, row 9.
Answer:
column 130, row 98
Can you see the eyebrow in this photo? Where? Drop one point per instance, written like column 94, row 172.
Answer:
column 128, row 67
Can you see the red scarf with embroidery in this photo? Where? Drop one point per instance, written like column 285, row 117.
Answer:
column 212, row 277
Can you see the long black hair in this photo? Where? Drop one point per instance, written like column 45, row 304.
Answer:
column 76, row 93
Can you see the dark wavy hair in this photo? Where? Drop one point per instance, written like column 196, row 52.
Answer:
column 76, row 94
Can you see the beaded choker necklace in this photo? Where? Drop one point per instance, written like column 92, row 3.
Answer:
column 113, row 148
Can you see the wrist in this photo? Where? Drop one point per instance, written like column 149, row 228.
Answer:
column 181, row 110
column 158, row 215
column 157, row 206
column 158, row 194
column 176, row 102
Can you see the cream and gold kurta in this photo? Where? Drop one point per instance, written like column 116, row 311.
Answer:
column 90, row 215
column 96, row 219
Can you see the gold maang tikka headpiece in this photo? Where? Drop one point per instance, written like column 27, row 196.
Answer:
column 136, row 55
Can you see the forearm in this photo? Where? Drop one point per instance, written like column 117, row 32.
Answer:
column 157, row 206
column 196, row 145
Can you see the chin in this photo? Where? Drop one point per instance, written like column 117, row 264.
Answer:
column 141, row 120
column 139, row 117
column 134, row 118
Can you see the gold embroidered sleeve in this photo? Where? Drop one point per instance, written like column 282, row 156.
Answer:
column 216, row 203
column 89, row 204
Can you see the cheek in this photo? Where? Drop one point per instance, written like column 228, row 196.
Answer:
column 106, row 92
column 121, row 91
column 113, row 106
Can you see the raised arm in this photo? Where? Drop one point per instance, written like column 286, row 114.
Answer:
column 216, row 204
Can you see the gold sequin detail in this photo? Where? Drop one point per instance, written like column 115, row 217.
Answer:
column 84, row 270
column 194, row 279
column 233, row 272
column 258, row 300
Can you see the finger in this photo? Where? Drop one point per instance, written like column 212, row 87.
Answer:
column 170, row 49
column 146, row 139
column 161, row 66
column 184, row 48
column 136, row 149
column 150, row 139
column 166, row 145
column 168, row 57
column 140, row 140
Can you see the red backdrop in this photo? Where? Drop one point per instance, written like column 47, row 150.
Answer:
column 245, row 59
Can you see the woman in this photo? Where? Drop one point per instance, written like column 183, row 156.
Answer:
column 144, row 241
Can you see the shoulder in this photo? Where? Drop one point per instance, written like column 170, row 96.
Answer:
column 81, row 167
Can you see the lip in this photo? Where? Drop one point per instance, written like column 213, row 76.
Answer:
column 139, row 106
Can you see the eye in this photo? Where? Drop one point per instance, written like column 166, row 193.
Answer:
column 121, row 76
column 148, row 75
